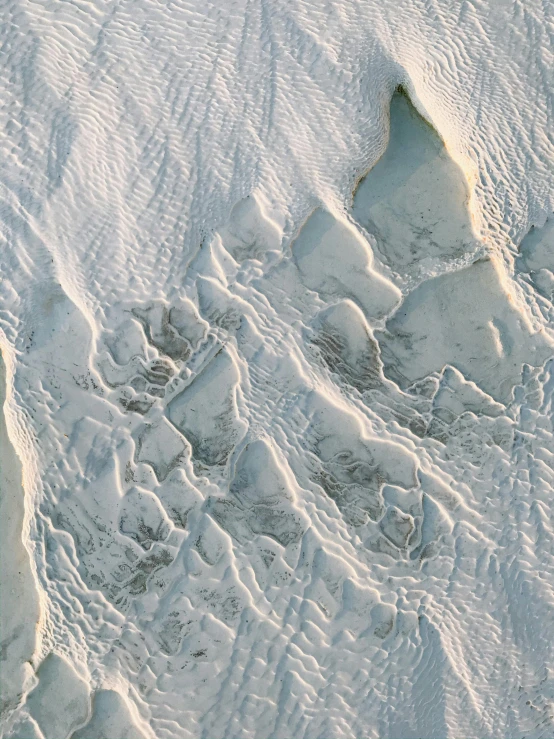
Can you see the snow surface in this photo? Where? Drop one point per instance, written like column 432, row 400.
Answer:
column 277, row 451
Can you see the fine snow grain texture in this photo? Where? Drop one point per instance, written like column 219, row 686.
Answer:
column 279, row 346
column 20, row 612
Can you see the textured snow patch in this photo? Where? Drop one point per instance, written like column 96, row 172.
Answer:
column 472, row 319
column 286, row 440
column 335, row 260
column 415, row 199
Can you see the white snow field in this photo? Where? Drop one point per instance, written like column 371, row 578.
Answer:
column 277, row 338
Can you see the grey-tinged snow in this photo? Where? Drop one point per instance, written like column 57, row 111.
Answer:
column 279, row 370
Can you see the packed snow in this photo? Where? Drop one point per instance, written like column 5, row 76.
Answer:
column 277, row 375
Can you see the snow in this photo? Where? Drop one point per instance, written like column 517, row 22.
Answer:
column 276, row 327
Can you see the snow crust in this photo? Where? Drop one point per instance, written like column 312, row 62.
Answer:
column 276, row 326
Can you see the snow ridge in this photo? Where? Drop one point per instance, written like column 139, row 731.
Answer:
column 279, row 362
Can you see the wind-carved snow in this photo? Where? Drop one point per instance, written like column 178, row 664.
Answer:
column 471, row 319
column 18, row 622
column 300, row 487
column 416, row 201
